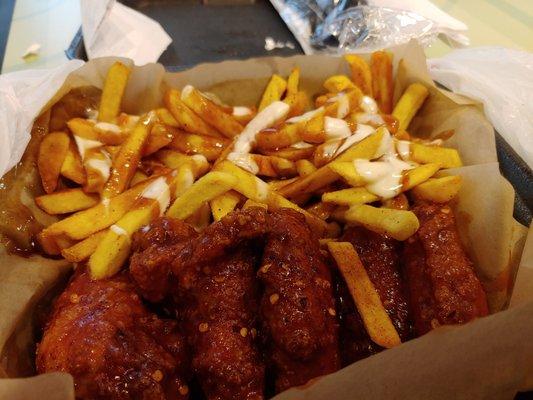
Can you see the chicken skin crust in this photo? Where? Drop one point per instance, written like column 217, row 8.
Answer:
column 443, row 287
column 298, row 307
column 101, row 333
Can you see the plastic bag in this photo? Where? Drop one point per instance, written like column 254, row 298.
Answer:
column 501, row 79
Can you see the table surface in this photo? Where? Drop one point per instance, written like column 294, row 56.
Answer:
column 53, row 24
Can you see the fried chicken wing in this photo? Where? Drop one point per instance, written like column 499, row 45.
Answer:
column 297, row 307
column 102, row 334
column 380, row 256
column 443, row 287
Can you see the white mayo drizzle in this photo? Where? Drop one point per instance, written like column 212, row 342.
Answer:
column 368, row 105
column 188, row 179
column 404, row 149
column 158, row 190
column 336, row 128
column 186, row 91
column 118, row 230
column 343, row 107
column 330, row 148
column 241, row 111
column 102, row 166
column 262, row 190
column 305, row 116
column 361, row 132
column 301, row 145
column 86, row 144
column 366, row 118
column 383, row 177
column 107, row 127
column 266, row 118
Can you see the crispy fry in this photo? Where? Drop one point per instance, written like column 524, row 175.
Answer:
column 52, row 152
column 349, row 197
column 114, row 86
column 83, row 250
column 338, row 83
column 224, row 204
column 188, row 143
column 344, row 103
column 97, row 164
column 159, row 137
column 250, row 203
column 274, row 167
column 273, row 92
column 205, row 189
column 125, row 163
column 278, row 184
column 66, row 201
column 376, row 320
column 398, row 224
column 313, row 130
column 382, row 84
column 321, row 210
column 72, row 168
column 366, row 148
column 138, row 177
column 254, row 188
column 185, row 117
column 305, row 167
column 438, row 190
column 165, row 117
column 272, row 139
column 361, row 75
column 211, row 112
column 299, row 102
column 417, row 175
column 445, row 156
column 291, row 153
column 49, row 243
column 292, row 81
column 326, row 152
column 409, row 104
column 201, row 217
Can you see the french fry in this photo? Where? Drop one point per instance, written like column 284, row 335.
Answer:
column 125, row 163
column 52, row 152
column 445, row 156
column 274, row 167
column 313, row 130
column 438, row 190
column 165, row 117
column 398, row 224
column 323, row 176
column 375, row 318
column 291, row 153
column 185, row 117
column 273, row 92
column 349, row 197
column 171, row 158
column 305, row 167
column 159, row 137
column 272, row 139
column 321, row 210
column 382, row 84
column 277, row 184
column 83, row 250
column 293, row 81
column 254, row 188
column 361, row 74
column 66, row 201
column 72, row 167
column 416, row 176
column 224, row 204
column 211, row 112
column 205, row 189
column 338, row 83
column 326, row 152
column 114, row 86
column 299, row 102
column 138, row 177
column 201, row 218
column 189, row 143
column 342, row 107
column 49, row 243
column 409, row 104
column 250, row 203
column 399, row 202
column 97, row 164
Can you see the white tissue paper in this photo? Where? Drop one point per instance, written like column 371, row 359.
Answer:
column 501, row 79
column 112, row 29
column 23, row 94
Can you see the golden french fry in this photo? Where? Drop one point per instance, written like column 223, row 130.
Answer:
column 159, row 137
column 125, row 163
column 210, row 112
column 299, row 102
column 205, row 189
column 399, row 202
column 398, row 224
column 416, row 176
column 138, row 177
column 338, row 83
column 201, row 218
column 445, row 156
column 325, row 152
column 250, row 203
column 171, row 158
column 292, row 81
column 291, row 153
column 97, row 164
column 83, row 250
column 313, row 129
column 305, row 167
column 361, row 74
column 114, row 86
column 349, row 197
column 409, row 104
column 321, row 210
column 382, row 84
column 254, row 188
column 366, row 148
column 72, row 167
column 438, row 190
column 50, row 244
column 274, row 167
column 165, row 117
column 375, row 318
column 188, row 143
column 224, row 204
column 347, row 103
column 52, row 152
column 185, row 117
column 66, row 201
column 277, row 184
column 273, row 92
column 82, row 128
column 271, row 139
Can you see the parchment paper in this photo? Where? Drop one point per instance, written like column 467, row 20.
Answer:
column 484, row 359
